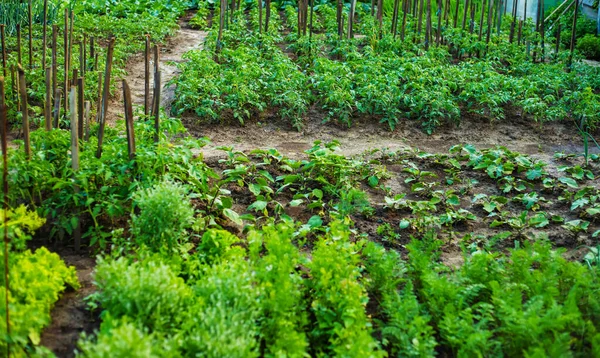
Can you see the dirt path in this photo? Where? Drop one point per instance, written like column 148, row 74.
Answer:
column 172, row 51
column 517, row 133
column 70, row 316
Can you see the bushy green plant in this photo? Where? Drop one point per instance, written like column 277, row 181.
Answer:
column 149, row 292
column 589, row 46
column 165, row 215
column 122, row 338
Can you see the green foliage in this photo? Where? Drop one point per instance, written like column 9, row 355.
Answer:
column 120, row 338
column 338, row 299
column 165, row 216
column 589, row 45
column 148, row 292
column 36, row 282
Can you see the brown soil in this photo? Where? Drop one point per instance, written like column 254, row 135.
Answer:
column 70, row 316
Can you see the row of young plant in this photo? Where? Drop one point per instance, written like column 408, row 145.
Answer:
column 295, row 289
column 380, row 75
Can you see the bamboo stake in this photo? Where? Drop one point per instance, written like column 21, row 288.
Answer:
column 99, row 101
column 71, row 43
column 129, row 120
column 105, row 94
column 4, row 130
column 340, row 28
column 3, row 40
column 30, row 16
column 86, row 118
column 24, row 112
column 44, row 34
column 75, row 159
column 56, row 111
column 48, row 102
column 80, row 109
column 156, row 106
column 312, row 6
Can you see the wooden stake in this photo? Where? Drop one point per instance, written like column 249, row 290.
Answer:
column 489, row 30
column 48, row 102
column 93, row 53
column 44, row 34
column 520, row 33
column 455, row 20
column 80, row 109
column 56, row 112
column 82, row 56
column 105, row 95
column 86, row 118
column 24, row 112
column 54, row 58
column 129, row 120
column 75, row 159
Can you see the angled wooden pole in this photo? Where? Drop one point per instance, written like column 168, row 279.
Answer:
column 156, row 106
column 54, row 58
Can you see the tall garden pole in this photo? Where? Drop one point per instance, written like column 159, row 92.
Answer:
column 44, row 34
column 30, row 18
column 24, row 111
